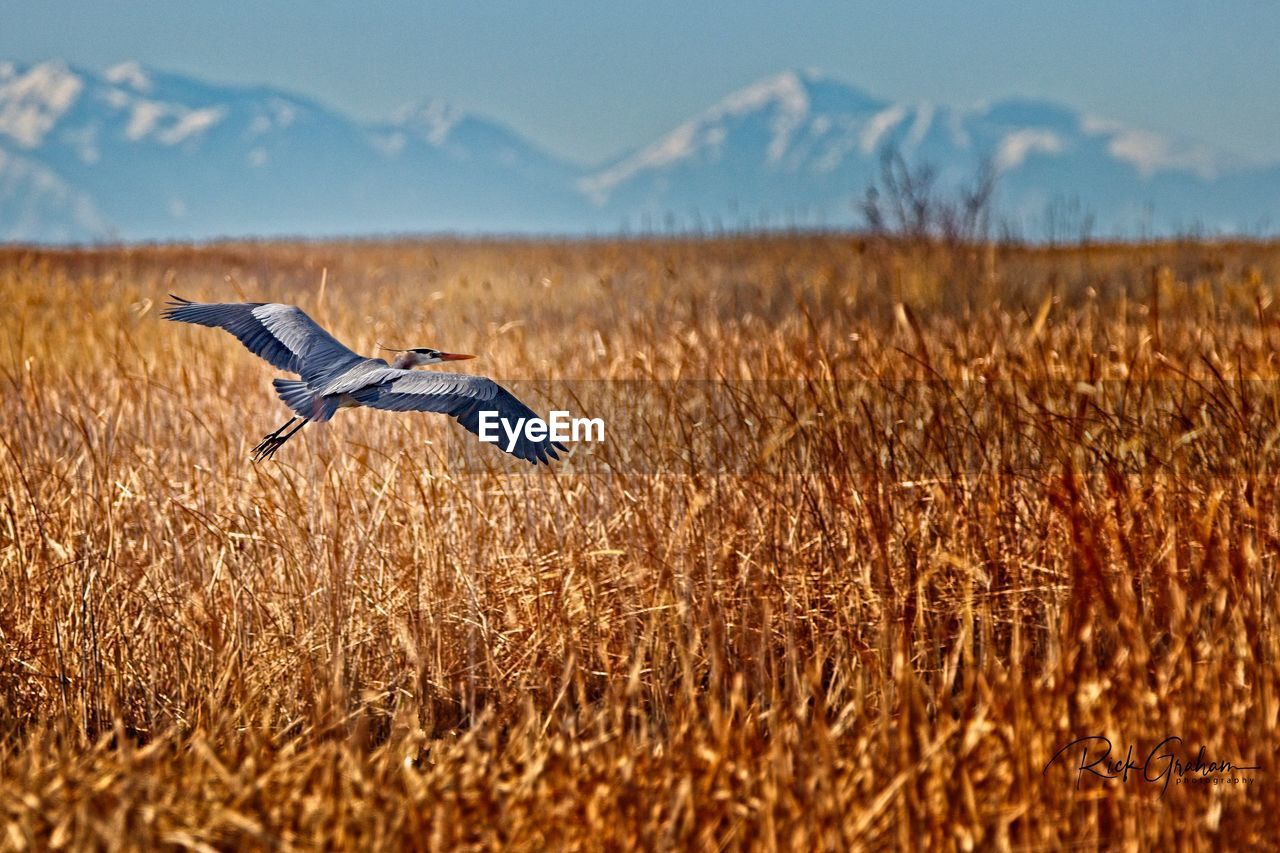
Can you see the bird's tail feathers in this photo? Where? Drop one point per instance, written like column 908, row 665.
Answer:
column 297, row 395
column 300, row 397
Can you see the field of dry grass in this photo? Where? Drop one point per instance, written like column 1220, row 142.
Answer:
column 876, row 529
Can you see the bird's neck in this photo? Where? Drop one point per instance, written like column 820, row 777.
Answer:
column 403, row 361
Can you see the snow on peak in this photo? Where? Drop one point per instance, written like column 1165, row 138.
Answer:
column 920, row 127
column 129, row 74
column 880, row 124
column 1016, row 146
column 1150, row 152
column 170, row 124
column 433, row 119
column 794, row 116
column 32, row 103
column 787, row 90
column 192, row 123
column 786, row 93
column 675, row 146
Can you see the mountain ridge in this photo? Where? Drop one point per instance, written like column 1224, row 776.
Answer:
column 138, row 154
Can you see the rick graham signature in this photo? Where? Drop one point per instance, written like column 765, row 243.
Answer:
column 1162, row 765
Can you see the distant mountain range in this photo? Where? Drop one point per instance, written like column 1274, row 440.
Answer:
column 138, row 154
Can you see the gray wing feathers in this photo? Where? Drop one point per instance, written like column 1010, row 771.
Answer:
column 408, row 391
column 319, row 354
column 462, row 396
column 359, row 374
column 281, row 334
column 290, row 340
column 511, row 410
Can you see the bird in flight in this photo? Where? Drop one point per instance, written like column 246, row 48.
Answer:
column 332, row 377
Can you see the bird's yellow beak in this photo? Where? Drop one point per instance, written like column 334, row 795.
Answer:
column 454, row 356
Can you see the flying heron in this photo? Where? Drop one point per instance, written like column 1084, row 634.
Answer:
column 333, row 377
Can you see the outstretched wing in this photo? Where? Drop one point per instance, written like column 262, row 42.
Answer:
column 463, row 397
column 281, row 334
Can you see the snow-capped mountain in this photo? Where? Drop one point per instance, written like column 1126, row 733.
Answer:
column 799, row 147
column 134, row 153
column 138, row 154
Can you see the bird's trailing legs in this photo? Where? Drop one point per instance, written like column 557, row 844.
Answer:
column 273, row 441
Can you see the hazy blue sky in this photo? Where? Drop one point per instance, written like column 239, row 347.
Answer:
column 589, row 78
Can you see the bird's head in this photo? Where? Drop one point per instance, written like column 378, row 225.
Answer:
column 421, row 356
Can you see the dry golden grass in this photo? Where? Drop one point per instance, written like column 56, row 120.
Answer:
column 876, row 530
